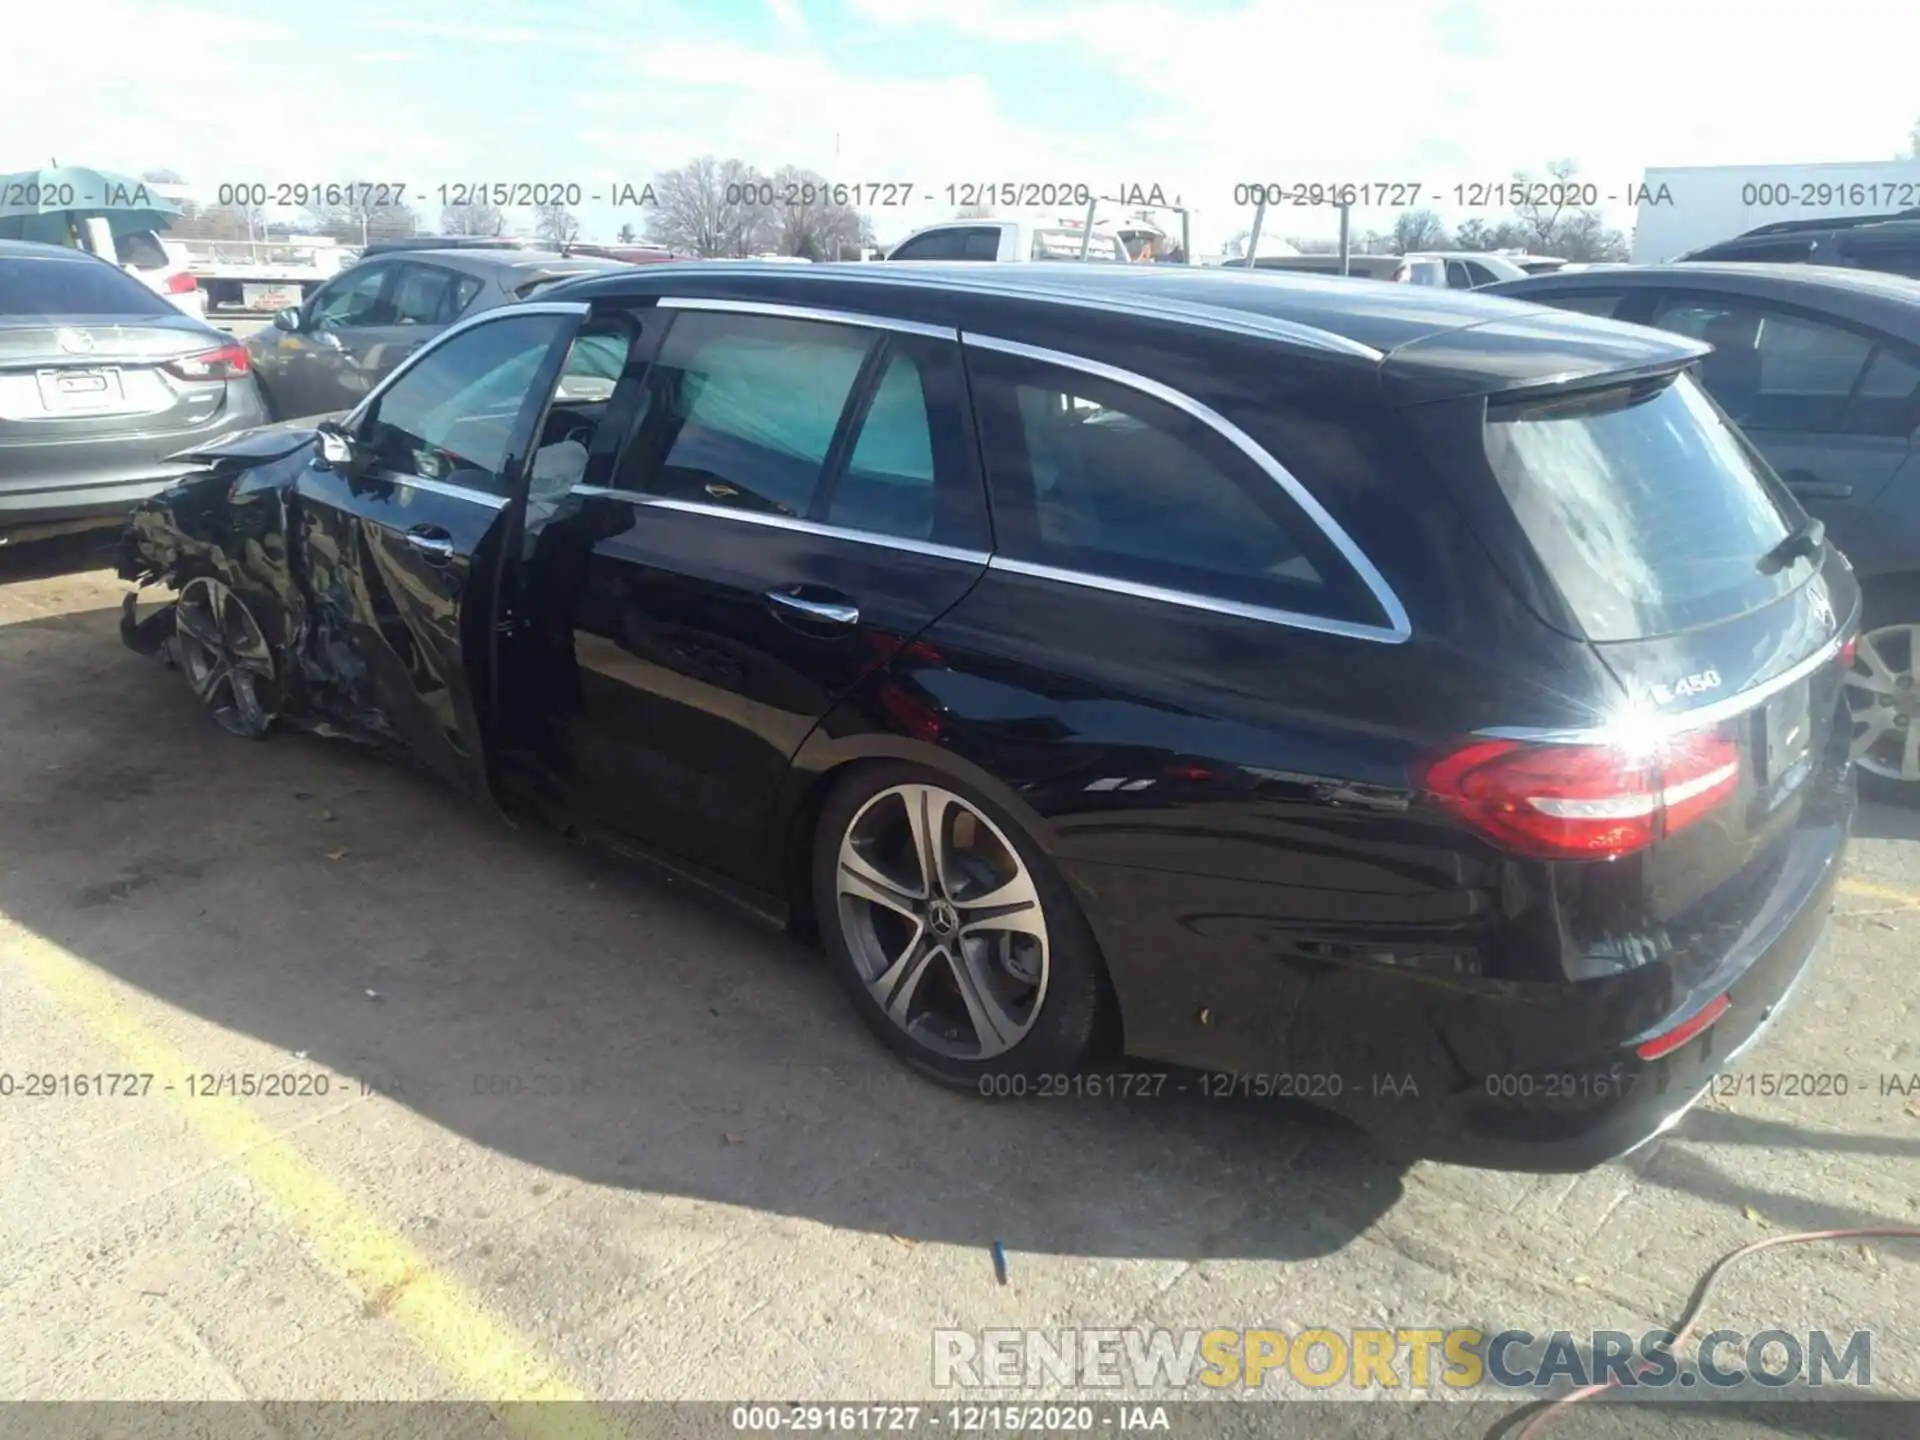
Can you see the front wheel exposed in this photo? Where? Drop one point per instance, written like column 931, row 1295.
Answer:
column 958, row 942
column 225, row 656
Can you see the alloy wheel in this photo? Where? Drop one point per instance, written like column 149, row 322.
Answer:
column 1884, row 703
column 943, row 921
column 225, row 656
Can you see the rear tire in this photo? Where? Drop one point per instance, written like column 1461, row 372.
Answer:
column 987, row 970
column 1883, row 692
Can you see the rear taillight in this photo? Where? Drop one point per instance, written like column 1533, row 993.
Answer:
column 181, row 283
column 229, row 362
column 1849, row 652
column 1584, row 802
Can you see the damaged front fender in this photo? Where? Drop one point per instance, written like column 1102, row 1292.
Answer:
column 311, row 578
column 231, row 522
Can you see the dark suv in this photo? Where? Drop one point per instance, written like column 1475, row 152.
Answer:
column 1889, row 243
column 1416, row 703
column 1821, row 368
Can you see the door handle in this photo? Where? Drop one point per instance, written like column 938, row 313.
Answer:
column 1820, row 489
column 827, row 611
column 432, row 542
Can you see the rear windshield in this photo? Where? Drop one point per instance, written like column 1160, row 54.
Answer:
column 1648, row 509
column 75, row 284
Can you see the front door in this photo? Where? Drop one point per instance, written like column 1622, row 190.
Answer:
column 403, row 540
column 799, row 500
column 314, row 370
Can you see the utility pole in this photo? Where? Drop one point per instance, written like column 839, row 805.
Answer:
column 1259, row 221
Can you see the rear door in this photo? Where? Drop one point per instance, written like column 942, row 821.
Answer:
column 421, row 301
column 403, row 543
column 1831, row 407
column 799, row 501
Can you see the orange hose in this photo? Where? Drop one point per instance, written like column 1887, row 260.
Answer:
column 1552, row 1408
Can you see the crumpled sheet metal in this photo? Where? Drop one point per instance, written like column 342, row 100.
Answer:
column 239, row 521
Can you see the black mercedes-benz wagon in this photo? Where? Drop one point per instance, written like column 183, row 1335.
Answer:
column 1419, row 703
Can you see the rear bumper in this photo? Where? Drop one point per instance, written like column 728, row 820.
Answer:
column 1528, row 1076
column 79, row 478
column 1602, row 1101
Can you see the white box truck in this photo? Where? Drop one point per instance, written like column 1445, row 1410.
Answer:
column 1682, row 208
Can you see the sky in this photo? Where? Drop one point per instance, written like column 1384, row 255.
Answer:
column 1194, row 96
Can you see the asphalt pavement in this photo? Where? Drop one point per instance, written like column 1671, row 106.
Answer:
column 546, row 1127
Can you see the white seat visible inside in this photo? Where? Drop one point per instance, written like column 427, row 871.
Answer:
column 557, row 468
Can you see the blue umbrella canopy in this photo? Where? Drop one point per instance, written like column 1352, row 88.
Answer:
column 47, row 204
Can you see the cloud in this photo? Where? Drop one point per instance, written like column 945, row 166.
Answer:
column 786, row 14
column 1193, row 95
column 1276, row 91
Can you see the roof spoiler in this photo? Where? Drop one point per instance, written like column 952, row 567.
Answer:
column 1571, row 386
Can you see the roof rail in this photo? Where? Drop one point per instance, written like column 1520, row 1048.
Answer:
column 1836, row 222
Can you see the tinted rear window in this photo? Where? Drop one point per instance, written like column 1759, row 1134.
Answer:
column 1648, row 509
column 75, row 284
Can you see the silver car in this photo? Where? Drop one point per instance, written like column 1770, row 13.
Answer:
column 101, row 380
column 351, row 333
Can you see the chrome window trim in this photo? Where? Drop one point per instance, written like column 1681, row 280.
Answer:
column 1676, row 722
column 786, row 522
column 1196, row 313
column 1213, row 604
column 1398, row 628
column 456, row 492
column 783, row 311
column 460, row 327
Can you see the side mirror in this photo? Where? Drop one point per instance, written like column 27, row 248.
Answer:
column 287, row 319
column 336, row 446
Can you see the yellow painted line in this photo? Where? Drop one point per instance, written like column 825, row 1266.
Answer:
column 481, row 1354
column 1881, row 892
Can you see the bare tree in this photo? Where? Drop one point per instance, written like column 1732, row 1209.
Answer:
column 556, row 225
column 1913, row 143
column 817, row 224
column 710, row 207
column 1585, row 236
column 357, row 220
column 627, row 234
column 218, row 222
column 1418, row 230
column 1542, row 217
column 485, row 220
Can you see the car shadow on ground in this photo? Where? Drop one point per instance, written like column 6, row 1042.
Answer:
column 1887, row 822
column 558, row 1008
column 28, row 555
